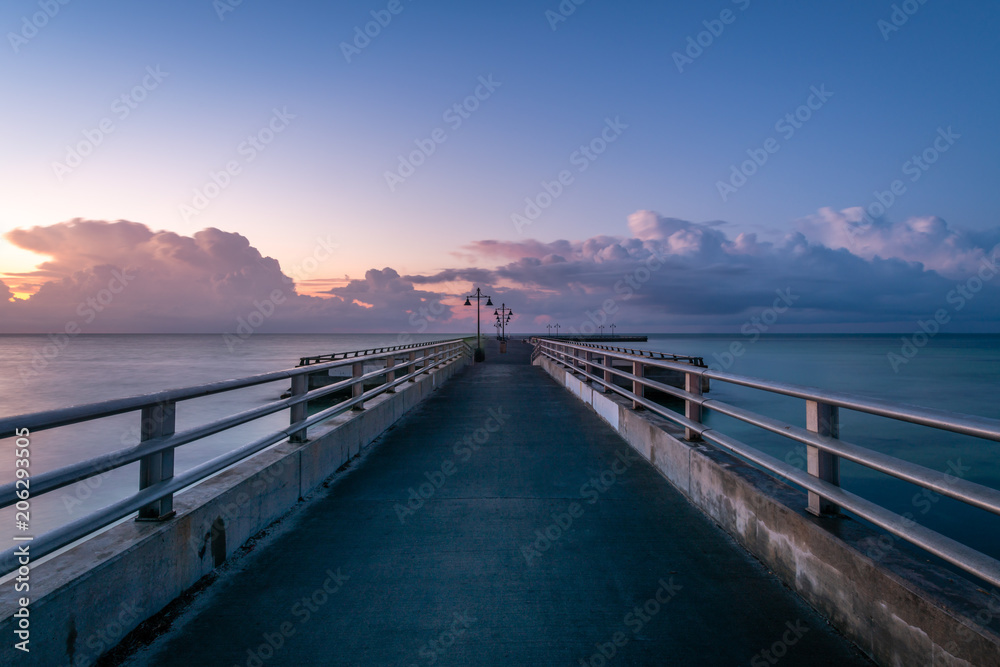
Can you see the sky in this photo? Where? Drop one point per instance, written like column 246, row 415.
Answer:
column 223, row 166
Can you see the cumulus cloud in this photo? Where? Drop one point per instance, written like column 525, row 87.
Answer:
column 124, row 277
column 664, row 274
column 676, row 274
column 928, row 240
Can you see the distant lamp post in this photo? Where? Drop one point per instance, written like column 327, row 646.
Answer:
column 478, row 296
column 503, row 315
column 549, row 327
column 602, row 329
column 557, row 329
column 613, row 330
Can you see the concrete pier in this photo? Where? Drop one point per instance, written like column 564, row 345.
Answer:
column 500, row 522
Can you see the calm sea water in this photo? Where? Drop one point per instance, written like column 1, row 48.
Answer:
column 958, row 373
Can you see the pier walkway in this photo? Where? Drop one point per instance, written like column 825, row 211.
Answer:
column 500, row 522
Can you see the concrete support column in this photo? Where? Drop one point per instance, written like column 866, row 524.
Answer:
column 822, row 419
column 158, row 421
column 299, row 411
column 638, row 369
column 692, row 410
column 357, row 370
column 390, row 376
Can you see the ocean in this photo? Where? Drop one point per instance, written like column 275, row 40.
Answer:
column 950, row 372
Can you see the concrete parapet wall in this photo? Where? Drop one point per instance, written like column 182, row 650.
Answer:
column 898, row 609
column 84, row 601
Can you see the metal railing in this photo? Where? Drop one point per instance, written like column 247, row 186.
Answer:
column 821, row 437
column 155, row 451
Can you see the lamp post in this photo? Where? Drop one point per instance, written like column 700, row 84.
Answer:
column 557, row 329
column 479, row 355
column 549, row 327
column 602, row 329
column 613, row 330
column 503, row 314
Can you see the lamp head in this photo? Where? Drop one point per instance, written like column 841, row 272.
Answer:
column 467, row 303
column 489, row 301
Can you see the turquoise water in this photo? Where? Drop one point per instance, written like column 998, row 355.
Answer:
column 957, row 373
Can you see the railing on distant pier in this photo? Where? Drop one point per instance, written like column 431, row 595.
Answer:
column 821, row 436
column 155, row 452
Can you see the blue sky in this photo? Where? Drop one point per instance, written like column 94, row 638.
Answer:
column 324, row 174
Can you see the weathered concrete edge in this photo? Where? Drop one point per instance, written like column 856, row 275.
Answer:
column 901, row 623
column 87, row 599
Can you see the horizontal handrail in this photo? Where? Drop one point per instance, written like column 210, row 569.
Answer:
column 434, row 355
column 980, row 427
column 320, row 358
column 38, row 421
column 76, row 472
column 567, row 354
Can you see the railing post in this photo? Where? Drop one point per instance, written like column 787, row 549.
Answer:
column 390, row 376
column 638, row 369
column 822, row 419
column 692, row 410
column 609, row 376
column 588, row 363
column 157, row 422
column 412, row 368
column 299, row 411
column 357, row 370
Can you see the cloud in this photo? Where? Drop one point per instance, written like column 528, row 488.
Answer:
column 665, row 274
column 928, row 240
column 674, row 274
column 122, row 277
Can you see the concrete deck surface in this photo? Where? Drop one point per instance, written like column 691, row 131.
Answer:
column 629, row 573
